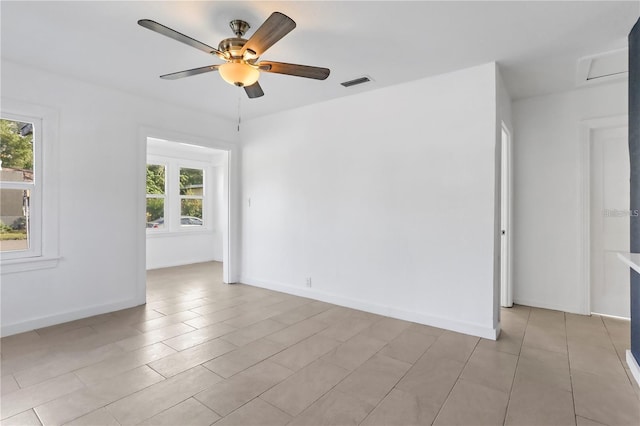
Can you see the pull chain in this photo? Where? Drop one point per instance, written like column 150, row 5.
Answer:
column 239, row 115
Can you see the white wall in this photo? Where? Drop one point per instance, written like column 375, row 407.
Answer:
column 547, row 209
column 167, row 247
column 384, row 199
column 101, row 197
column 221, row 204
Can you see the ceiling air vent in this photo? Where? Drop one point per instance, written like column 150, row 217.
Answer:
column 603, row 67
column 356, row 81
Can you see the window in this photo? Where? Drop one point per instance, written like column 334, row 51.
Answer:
column 28, row 187
column 177, row 195
column 191, row 196
column 19, row 189
column 156, row 189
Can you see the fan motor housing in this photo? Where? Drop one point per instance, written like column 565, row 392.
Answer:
column 233, row 46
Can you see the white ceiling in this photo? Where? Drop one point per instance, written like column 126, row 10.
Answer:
column 536, row 43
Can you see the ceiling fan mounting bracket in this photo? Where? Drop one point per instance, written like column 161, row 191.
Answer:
column 239, row 27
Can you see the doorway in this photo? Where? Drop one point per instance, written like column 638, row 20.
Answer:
column 506, row 292
column 609, row 220
column 221, row 178
column 186, row 220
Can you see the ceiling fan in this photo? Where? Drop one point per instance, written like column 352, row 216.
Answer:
column 241, row 67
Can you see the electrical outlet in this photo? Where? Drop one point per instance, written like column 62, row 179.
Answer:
column 308, row 281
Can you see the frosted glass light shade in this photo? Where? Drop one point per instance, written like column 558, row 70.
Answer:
column 239, row 73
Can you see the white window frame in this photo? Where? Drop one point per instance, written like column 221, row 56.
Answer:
column 34, row 231
column 43, row 249
column 164, row 195
column 205, row 199
column 172, row 200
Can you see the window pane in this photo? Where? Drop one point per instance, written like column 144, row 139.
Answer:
column 16, row 151
column 155, row 213
column 155, row 179
column 191, row 181
column 14, row 219
column 191, row 212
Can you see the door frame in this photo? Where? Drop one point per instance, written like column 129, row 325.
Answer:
column 584, row 200
column 506, row 211
column 230, row 234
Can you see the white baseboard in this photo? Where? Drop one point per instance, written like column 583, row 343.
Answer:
column 375, row 308
column 172, row 264
column 46, row 321
column 633, row 366
column 545, row 305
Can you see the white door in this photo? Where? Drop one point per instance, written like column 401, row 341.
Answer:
column 610, row 221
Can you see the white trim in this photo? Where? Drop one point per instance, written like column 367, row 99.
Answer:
column 546, row 305
column 141, row 214
column 194, row 141
column 59, row 318
column 35, row 187
column 47, row 229
column 230, row 254
column 12, row 266
column 196, row 230
column 172, row 197
column 385, row 310
column 633, row 366
column 612, row 316
column 191, row 262
column 584, row 201
column 631, row 259
column 506, row 211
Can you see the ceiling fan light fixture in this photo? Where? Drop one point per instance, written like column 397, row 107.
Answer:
column 239, row 73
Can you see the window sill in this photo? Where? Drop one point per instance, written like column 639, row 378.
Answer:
column 180, row 233
column 12, row 266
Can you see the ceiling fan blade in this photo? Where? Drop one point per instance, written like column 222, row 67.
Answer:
column 273, row 29
column 189, row 73
column 254, row 91
column 168, row 32
column 295, row 69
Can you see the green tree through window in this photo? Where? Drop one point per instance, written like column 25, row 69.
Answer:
column 191, row 192
column 16, row 175
column 155, row 195
column 16, row 150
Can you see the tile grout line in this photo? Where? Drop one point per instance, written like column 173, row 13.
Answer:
column 573, row 399
column 35, row 413
column 572, row 395
column 349, row 374
column 268, row 403
column 401, row 377
column 457, row 379
column 516, row 369
column 334, row 386
column 86, row 387
column 622, row 362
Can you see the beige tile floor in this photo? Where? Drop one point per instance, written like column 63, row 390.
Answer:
column 201, row 352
